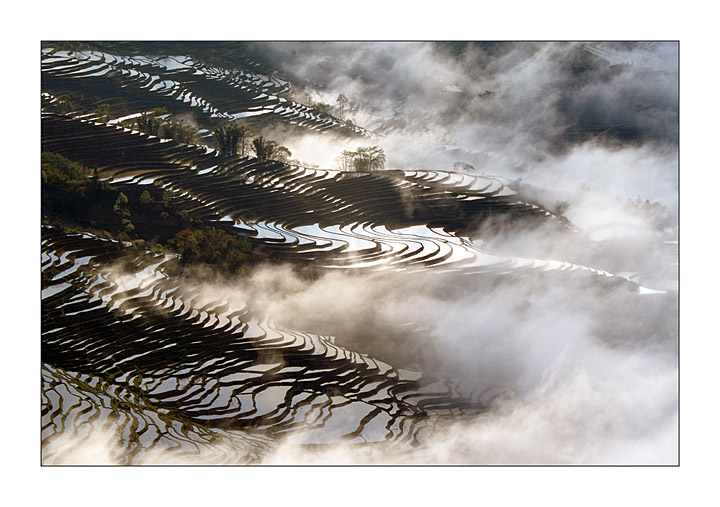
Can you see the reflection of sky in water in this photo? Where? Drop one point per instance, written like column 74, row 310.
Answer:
column 418, row 244
column 174, row 62
column 340, row 420
column 246, row 114
column 337, row 235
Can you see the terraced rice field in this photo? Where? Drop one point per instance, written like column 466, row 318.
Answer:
column 170, row 372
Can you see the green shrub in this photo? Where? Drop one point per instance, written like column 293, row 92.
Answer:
column 64, row 182
column 103, row 112
column 121, row 206
column 212, row 246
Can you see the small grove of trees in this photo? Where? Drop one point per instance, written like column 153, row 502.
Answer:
column 180, row 131
column 56, row 169
column 266, row 149
column 70, row 189
column 150, row 123
column 64, row 183
column 235, row 139
column 371, row 158
column 212, row 246
column 322, row 107
column 232, row 138
column 654, row 213
column 339, row 108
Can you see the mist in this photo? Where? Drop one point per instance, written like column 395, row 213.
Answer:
column 585, row 359
column 590, row 372
column 502, row 106
column 587, row 373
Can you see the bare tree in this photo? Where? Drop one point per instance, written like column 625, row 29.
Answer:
column 366, row 159
column 346, row 160
column 342, row 100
